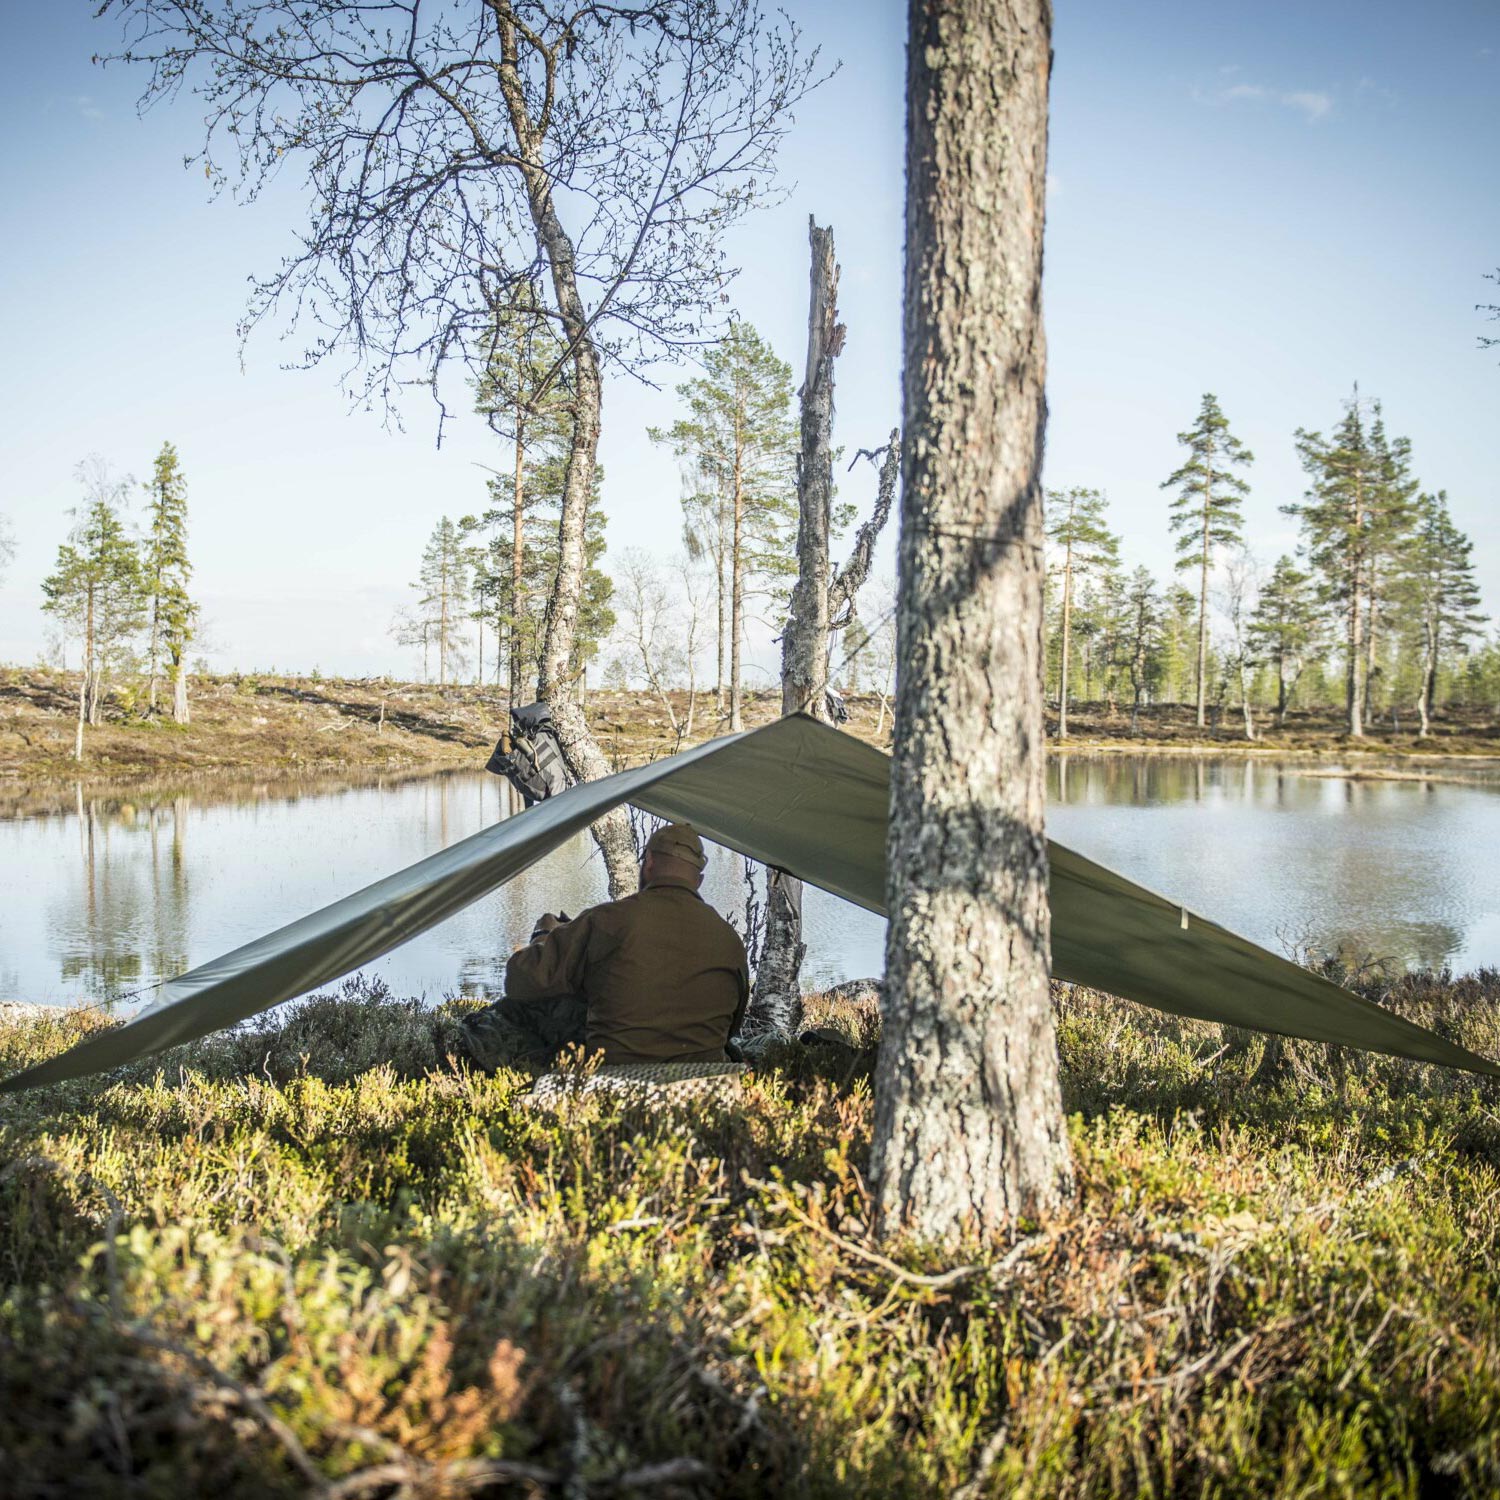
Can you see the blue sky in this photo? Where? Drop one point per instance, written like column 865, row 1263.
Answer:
column 1269, row 201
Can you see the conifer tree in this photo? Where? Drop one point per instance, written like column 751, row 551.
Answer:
column 1346, row 526
column 741, row 443
column 1436, row 582
column 171, row 613
column 97, row 590
column 525, row 396
column 1392, row 513
column 7, row 546
column 1206, row 509
column 442, row 589
column 1142, row 638
column 1076, row 525
column 1286, row 628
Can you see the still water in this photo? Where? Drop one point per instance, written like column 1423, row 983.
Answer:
column 102, row 894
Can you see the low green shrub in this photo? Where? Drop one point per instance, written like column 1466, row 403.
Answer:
column 319, row 1255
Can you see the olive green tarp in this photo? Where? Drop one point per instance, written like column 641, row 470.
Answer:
column 813, row 801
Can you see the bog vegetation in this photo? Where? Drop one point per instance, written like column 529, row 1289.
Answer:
column 318, row 1255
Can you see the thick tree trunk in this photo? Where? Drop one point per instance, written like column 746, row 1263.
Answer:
column 83, row 699
column 1353, row 695
column 584, row 758
column 181, row 714
column 969, row 1131
column 777, row 1002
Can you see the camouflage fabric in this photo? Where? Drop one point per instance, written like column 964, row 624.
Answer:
column 525, row 1033
column 645, row 1083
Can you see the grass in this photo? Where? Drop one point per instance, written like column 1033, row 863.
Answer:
column 317, row 1255
column 277, row 726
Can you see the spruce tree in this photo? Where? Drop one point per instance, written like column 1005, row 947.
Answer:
column 171, row 613
column 1076, row 525
column 1205, row 513
column 97, row 590
column 1436, row 582
column 740, row 443
column 1141, row 638
column 1286, row 628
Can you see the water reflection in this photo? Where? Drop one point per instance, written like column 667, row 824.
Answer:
column 1297, row 856
column 103, row 891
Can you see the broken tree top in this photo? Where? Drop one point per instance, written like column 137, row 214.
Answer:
column 813, row 801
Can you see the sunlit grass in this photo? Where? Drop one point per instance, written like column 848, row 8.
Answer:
column 320, row 1252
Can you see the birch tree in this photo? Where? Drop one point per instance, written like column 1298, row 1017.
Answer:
column 1205, row 512
column 1087, row 545
column 459, row 152
column 97, row 590
column 969, row 1131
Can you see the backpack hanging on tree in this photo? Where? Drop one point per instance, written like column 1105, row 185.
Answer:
column 529, row 756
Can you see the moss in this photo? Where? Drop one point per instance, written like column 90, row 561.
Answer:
column 318, row 1249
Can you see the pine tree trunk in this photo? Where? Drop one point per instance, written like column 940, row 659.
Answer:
column 1062, row 694
column 1352, row 692
column 969, row 1131
column 1203, row 617
column 181, row 714
column 517, row 565
column 83, row 698
column 722, row 630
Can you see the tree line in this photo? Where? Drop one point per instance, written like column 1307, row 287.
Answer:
column 119, row 589
column 1379, row 605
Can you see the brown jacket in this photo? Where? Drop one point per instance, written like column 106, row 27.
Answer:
column 664, row 975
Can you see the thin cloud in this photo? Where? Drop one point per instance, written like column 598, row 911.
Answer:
column 1315, row 106
column 87, row 108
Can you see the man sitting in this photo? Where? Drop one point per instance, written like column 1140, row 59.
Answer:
column 658, row 977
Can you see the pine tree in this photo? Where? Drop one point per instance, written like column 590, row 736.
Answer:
column 741, row 444
column 1345, row 526
column 1392, row 513
column 1436, row 581
column 524, row 395
column 442, row 590
column 97, row 590
column 7, row 547
column 172, row 615
column 1206, row 510
column 1286, row 628
column 1077, row 527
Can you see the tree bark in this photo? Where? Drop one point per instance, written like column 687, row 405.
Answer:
column 181, row 714
column 1203, row 610
column 517, row 557
column 969, row 1131
column 737, row 590
column 804, row 643
column 1067, row 626
column 776, row 1004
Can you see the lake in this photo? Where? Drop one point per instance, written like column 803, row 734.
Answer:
column 105, row 892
